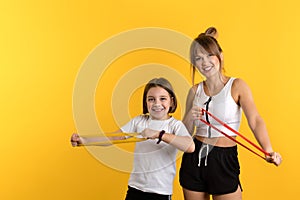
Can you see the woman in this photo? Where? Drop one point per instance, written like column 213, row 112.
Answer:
column 213, row 168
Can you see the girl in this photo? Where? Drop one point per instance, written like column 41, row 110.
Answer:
column 213, row 168
column 154, row 160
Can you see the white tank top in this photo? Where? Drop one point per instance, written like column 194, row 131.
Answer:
column 222, row 106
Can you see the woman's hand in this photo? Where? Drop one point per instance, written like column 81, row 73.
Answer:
column 197, row 113
column 76, row 140
column 274, row 158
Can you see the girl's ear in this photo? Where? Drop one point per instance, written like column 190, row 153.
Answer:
column 171, row 104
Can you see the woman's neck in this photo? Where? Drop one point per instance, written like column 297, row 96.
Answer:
column 214, row 85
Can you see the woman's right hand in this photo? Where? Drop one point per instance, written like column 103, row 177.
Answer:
column 197, row 113
column 76, row 140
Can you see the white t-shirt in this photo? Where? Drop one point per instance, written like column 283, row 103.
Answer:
column 154, row 164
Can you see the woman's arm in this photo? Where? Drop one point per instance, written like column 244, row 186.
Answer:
column 243, row 96
column 188, row 119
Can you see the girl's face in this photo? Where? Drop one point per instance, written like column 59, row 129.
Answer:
column 207, row 64
column 158, row 103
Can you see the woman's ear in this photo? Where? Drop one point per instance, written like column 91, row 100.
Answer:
column 222, row 62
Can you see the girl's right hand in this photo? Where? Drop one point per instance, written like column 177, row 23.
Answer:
column 149, row 133
column 75, row 140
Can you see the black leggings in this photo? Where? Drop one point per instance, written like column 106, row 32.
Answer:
column 135, row 194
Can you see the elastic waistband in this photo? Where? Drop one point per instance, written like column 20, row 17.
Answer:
column 215, row 148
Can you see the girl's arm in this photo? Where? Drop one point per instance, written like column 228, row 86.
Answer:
column 243, row 96
column 183, row 143
column 77, row 140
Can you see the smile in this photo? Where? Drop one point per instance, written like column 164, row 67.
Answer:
column 207, row 68
column 157, row 109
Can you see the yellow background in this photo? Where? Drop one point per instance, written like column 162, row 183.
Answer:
column 43, row 45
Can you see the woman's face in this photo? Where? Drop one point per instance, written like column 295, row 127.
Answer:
column 207, row 64
column 158, row 103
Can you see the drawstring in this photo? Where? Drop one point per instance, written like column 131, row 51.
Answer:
column 203, row 146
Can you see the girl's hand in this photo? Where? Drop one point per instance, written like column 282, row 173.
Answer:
column 197, row 112
column 274, row 158
column 75, row 140
column 149, row 133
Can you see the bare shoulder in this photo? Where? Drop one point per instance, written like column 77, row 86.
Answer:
column 193, row 91
column 239, row 84
column 194, row 88
column 239, row 90
column 191, row 96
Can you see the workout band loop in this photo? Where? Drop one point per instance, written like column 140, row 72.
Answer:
column 128, row 138
column 236, row 132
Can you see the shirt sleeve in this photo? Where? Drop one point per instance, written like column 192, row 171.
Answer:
column 131, row 126
column 180, row 129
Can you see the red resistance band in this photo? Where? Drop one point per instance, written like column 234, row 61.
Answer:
column 231, row 138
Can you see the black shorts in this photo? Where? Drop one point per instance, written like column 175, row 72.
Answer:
column 135, row 194
column 217, row 171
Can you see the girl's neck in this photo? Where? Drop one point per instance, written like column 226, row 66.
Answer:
column 162, row 119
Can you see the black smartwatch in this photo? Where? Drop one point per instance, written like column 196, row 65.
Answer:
column 161, row 133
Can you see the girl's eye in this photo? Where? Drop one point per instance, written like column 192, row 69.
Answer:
column 150, row 99
column 163, row 98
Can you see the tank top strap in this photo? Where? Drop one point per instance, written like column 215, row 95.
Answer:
column 228, row 86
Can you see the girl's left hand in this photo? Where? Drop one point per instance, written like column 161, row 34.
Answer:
column 274, row 158
column 149, row 133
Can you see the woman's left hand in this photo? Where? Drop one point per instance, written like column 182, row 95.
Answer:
column 274, row 158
